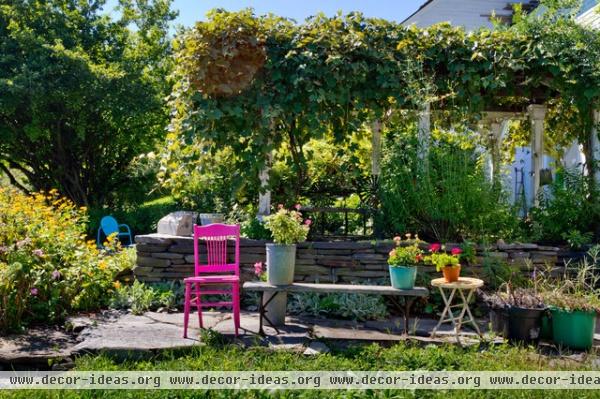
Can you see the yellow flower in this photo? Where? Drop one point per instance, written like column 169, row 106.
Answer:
column 117, row 284
column 102, row 265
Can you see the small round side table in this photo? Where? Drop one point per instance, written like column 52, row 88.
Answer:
column 463, row 285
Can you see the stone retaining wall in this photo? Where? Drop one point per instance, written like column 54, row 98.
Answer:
column 165, row 258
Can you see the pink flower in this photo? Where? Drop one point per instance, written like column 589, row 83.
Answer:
column 258, row 268
column 435, row 247
column 297, row 206
column 280, row 206
column 456, row 251
column 38, row 252
column 56, row 275
column 34, row 291
column 397, row 239
column 308, row 222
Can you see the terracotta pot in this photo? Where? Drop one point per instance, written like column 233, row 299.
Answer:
column 451, row 273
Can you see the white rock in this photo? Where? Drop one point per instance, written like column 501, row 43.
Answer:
column 177, row 223
column 316, row 348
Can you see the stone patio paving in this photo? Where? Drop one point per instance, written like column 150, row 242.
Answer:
column 124, row 335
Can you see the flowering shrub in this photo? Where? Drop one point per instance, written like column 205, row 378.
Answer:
column 46, row 265
column 407, row 252
column 441, row 259
column 287, row 226
column 260, row 271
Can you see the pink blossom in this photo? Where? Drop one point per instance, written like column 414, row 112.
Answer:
column 435, row 247
column 38, row 252
column 308, row 222
column 397, row 239
column 56, row 275
column 280, row 206
column 258, row 268
column 456, row 251
column 297, row 206
column 34, row 291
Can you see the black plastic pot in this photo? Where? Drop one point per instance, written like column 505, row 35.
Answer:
column 524, row 325
column 499, row 321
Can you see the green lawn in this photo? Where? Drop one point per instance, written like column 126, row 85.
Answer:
column 373, row 357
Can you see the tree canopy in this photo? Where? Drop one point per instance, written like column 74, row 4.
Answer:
column 81, row 93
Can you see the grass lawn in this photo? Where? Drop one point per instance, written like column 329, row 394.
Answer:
column 373, row 357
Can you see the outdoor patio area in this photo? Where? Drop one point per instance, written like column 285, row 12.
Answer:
column 125, row 337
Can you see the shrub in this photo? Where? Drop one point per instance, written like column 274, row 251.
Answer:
column 140, row 297
column 445, row 197
column 47, row 267
column 565, row 211
column 348, row 306
column 141, row 218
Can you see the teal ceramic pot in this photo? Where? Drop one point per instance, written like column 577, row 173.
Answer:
column 403, row 277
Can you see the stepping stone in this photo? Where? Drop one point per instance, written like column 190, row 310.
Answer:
column 316, row 348
column 36, row 347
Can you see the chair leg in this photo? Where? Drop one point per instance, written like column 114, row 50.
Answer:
column 186, row 308
column 235, row 294
column 198, row 305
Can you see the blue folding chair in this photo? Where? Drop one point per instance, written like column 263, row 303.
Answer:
column 108, row 226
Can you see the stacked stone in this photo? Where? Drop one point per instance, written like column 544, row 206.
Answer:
column 165, row 258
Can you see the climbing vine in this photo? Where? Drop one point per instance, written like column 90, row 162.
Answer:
column 258, row 83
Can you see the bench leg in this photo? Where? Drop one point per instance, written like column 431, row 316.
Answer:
column 262, row 313
column 408, row 301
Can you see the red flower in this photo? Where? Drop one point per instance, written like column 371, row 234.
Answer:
column 456, row 251
column 435, row 247
column 419, row 257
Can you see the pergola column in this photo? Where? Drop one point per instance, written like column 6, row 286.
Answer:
column 495, row 142
column 424, row 131
column 376, row 148
column 595, row 149
column 537, row 113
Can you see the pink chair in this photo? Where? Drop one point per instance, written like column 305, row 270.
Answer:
column 216, row 272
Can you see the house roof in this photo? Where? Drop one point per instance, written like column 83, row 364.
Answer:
column 473, row 14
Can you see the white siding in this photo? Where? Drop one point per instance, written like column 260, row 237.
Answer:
column 590, row 18
column 470, row 14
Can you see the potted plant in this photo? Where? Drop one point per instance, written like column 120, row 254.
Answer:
column 573, row 319
column 448, row 264
column 287, row 228
column 574, row 301
column 403, row 262
column 498, row 309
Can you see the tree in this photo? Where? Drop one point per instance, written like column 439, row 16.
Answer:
column 81, row 93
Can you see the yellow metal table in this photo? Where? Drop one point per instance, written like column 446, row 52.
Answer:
column 449, row 291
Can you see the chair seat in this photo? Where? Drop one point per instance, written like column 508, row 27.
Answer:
column 213, row 279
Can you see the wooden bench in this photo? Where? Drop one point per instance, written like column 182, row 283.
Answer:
column 259, row 286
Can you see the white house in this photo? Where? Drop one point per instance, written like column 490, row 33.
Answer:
column 474, row 14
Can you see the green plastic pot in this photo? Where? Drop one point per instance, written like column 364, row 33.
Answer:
column 546, row 330
column 574, row 329
column 403, row 277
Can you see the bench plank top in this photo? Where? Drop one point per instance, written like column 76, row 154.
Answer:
column 330, row 288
